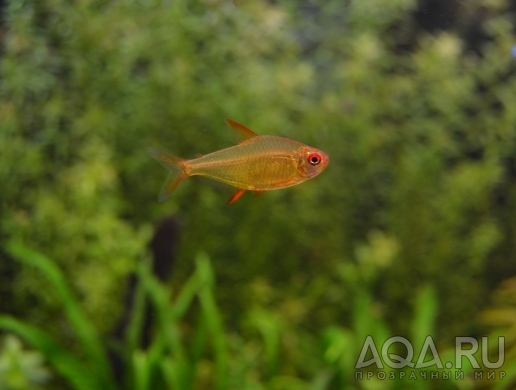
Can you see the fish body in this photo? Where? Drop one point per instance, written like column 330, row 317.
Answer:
column 258, row 163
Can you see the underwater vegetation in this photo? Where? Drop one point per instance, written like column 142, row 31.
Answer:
column 409, row 232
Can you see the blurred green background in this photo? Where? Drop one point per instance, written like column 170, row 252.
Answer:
column 410, row 231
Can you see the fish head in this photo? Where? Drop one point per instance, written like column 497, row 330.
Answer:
column 311, row 162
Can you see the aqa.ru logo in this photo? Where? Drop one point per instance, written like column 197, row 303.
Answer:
column 428, row 356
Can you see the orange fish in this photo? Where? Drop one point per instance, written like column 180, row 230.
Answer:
column 259, row 163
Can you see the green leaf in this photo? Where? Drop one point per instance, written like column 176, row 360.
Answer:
column 90, row 341
column 141, row 370
column 168, row 337
column 63, row 362
column 423, row 323
column 214, row 321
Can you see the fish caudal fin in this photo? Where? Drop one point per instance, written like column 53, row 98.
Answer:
column 175, row 166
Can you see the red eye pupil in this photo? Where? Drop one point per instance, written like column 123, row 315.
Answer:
column 314, row 158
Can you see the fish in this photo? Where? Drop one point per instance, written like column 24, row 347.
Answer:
column 258, row 163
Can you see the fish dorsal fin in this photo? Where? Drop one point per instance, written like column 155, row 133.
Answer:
column 243, row 132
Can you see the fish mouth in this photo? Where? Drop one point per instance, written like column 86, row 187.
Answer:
column 326, row 159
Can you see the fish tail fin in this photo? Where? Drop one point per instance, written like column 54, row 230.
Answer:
column 175, row 166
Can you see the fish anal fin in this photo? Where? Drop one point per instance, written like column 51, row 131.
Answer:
column 256, row 194
column 236, row 195
column 243, row 132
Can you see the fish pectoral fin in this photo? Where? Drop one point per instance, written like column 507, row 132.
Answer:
column 243, row 132
column 235, row 196
column 259, row 193
column 283, row 183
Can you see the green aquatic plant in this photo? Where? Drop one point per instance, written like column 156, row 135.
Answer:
column 211, row 356
column 500, row 318
column 165, row 357
column 21, row 369
column 93, row 372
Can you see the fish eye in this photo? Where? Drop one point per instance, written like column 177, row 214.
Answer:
column 314, row 158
